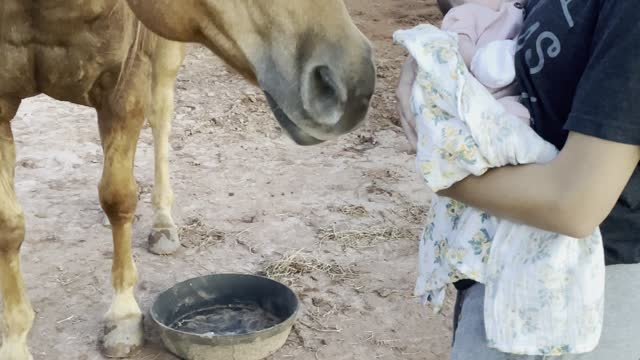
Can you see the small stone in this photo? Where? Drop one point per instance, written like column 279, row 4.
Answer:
column 51, row 238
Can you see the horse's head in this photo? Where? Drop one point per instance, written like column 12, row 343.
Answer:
column 315, row 67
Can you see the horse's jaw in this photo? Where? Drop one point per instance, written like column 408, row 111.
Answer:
column 294, row 132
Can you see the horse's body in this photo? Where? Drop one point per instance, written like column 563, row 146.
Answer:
column 64, row 53
column 309, row 58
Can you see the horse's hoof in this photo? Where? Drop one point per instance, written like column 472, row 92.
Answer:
column 14, row 352
column 164, row 241
column 123, row 338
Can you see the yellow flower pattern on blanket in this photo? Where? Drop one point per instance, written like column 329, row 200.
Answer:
column 544, row 291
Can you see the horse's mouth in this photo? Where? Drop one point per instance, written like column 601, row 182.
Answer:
column 294, row 131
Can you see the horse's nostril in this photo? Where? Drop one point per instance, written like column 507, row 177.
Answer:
column 324, row 83
column 325, row 95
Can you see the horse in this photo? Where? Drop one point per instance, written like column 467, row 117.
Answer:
column 121, row 57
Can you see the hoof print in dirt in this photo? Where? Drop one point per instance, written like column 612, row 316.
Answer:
column 196, row 234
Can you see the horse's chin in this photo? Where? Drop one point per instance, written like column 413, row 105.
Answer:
column 298, row 135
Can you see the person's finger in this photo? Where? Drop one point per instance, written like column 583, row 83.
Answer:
column 408, row 128
column 406, row 114
column 403, row 98
column 407, row 77
column 411, row 137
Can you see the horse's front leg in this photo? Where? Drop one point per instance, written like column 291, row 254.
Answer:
column 17, row 314
column 119, row 132
column 166, row 61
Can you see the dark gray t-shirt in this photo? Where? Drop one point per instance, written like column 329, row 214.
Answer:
column 578, row 66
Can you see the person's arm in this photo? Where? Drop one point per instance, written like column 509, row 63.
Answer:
column 571, row 195
column 574, row 193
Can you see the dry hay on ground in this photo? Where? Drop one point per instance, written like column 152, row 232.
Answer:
column 293, row 265
column 351, row 210
column 364, row 238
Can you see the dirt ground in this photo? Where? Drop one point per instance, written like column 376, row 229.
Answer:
column 338, row 222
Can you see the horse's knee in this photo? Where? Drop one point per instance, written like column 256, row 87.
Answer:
column 118, row 199
column 12, row 227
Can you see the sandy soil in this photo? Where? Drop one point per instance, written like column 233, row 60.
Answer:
column 338, row 222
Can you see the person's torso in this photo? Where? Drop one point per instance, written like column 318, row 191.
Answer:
column 554, row 50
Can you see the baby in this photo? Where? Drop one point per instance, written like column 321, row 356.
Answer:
column 544, row 292
column 487, row 32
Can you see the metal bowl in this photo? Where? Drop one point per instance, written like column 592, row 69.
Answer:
column 225, row 316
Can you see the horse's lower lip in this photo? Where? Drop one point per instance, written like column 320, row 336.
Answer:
column 297, row 134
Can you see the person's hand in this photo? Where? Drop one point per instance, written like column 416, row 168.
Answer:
column 403, row 97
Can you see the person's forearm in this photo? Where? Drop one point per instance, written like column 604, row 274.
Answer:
column 571, row 195
column 528, row 194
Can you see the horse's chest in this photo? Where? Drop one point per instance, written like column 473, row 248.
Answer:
column 59, row 47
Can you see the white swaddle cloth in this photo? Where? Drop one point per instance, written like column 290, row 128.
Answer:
column 493, row 65
column 544, row 291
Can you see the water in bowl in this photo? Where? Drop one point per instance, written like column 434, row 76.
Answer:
column 226, row 320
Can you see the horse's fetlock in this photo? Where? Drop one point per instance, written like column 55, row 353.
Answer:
column 12, row 228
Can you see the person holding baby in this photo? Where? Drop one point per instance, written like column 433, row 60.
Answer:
column 571, row 70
